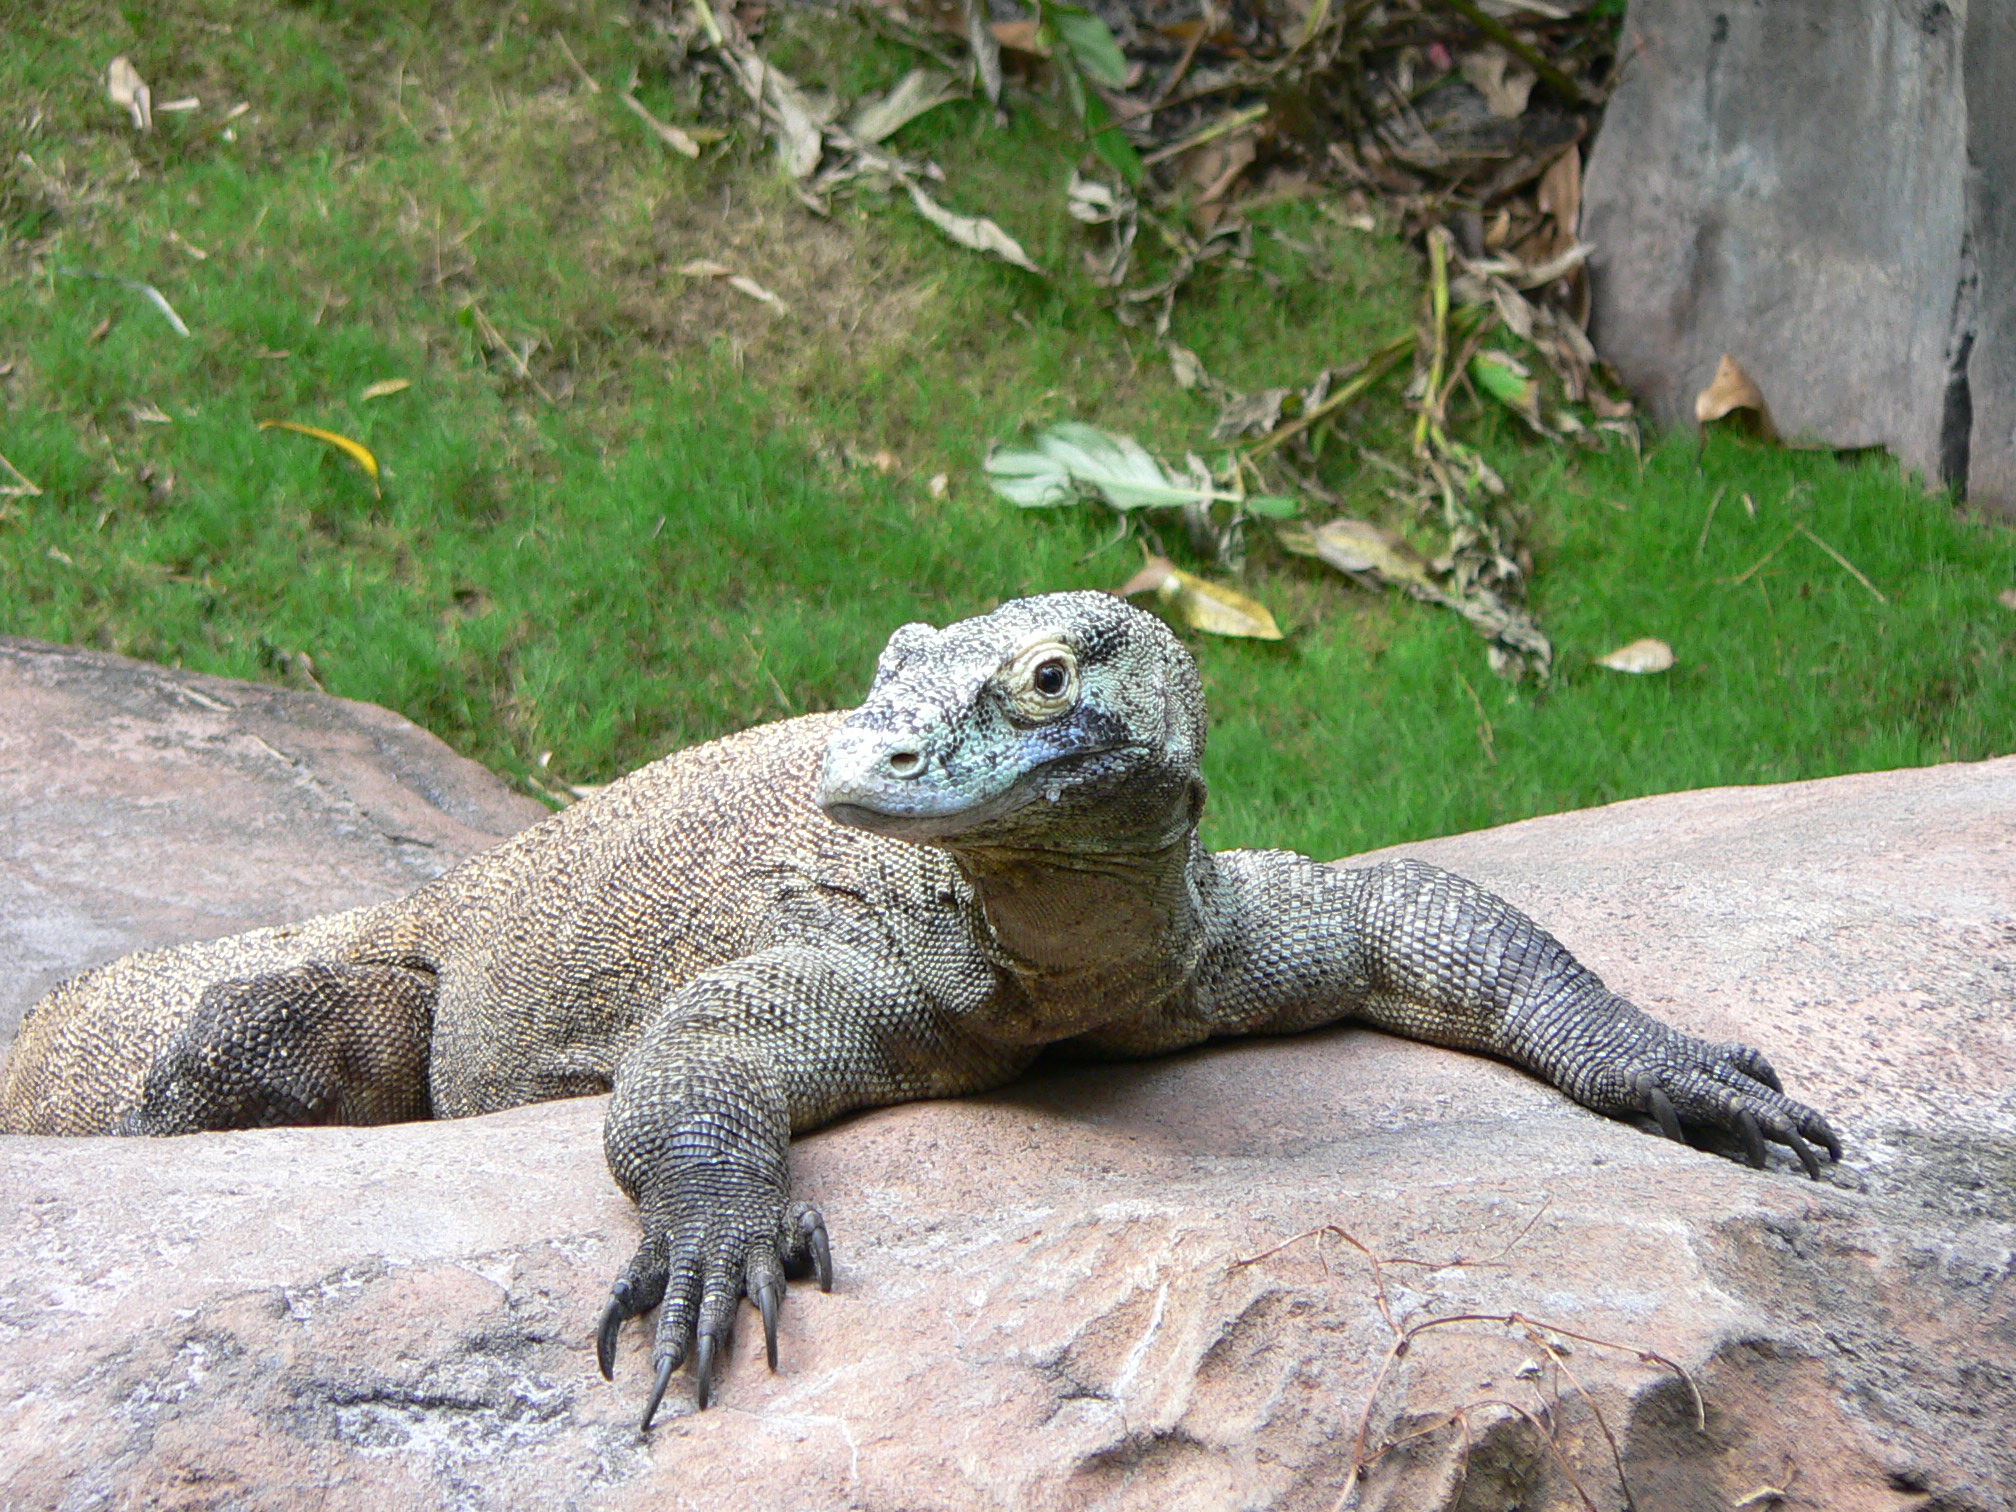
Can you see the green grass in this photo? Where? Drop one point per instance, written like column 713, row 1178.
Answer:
column 659, row 536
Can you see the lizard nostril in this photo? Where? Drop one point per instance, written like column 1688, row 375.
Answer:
column 905, row 763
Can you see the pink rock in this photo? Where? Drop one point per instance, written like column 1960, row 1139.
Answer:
column 1140, row 1286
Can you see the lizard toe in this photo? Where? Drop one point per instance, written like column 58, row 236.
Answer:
column 805, row 1245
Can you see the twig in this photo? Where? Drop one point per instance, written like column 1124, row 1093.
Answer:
column 494, row 339
column 22, row 487
column 1855, row 571
column 1222, row 126
column 1751, row 570
column 1483, row 721
column 1207, row 14
column 1519, row 1238
column 593, row 87
column 1713, row 505
column 1616, row 1457
column 1523, row 50
column 1375, row 368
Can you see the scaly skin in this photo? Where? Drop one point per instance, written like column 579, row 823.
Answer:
column 995, row 853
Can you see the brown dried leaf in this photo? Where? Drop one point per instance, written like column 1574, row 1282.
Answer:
column 1503, row 80
column 1731, row 392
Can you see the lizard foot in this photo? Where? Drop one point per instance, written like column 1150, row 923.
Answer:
column 1726, row 1089
column 696, row 1270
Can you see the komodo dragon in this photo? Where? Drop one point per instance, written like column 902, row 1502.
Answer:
column 996, row 853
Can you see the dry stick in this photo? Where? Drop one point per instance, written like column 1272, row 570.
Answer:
column 1525, row 51
column 593, row 87
column 1438, row 315
column 1713, row 505
column 1518, row 1238
column 1750, row 571
column 1616, row 1457
column 1206, row 15
column 23, row 487
column 1375, row 368
column 1220, row 127
column 1852, row 568
column 1400, row 1345
column 1483, row 721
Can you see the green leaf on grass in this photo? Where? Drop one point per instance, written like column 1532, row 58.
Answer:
column 1092, row 45
column 1507, row 380
column 1273, row 506
column 1072, row 460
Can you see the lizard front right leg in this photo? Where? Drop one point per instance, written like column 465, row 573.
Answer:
column 699, row 1127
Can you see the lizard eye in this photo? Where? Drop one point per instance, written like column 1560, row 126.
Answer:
column 1042, row 682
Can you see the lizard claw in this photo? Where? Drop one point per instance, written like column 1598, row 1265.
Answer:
column 1663, row 1114
column 703, row 1372
column 611, row 1324
column 813, row 1224
column 768, row 1296
column 1752, row 1137
column 1732, row 1089
column 667, row 1363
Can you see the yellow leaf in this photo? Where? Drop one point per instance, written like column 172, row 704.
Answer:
column 1729, row 392
column 1358, row 546
column 386, row 386
column 1210, row 607
column 354, row 450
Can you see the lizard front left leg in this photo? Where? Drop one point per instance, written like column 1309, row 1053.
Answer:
column 1418, row 951
column 743, row 1057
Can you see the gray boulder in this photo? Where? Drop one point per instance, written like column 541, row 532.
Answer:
column 1137, row 1286
column 1825, row 190
column 144, row 806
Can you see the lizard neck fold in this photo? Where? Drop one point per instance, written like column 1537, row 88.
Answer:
column 1088, row 937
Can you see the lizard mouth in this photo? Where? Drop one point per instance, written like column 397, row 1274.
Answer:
column 888, row 784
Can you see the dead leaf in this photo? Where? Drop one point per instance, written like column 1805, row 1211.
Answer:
column 918, row 91
column 755, row 291
column 1019, row 36
column 939, row 486
column 1732, row 391
column 667, row 133
column 1503, row 80
column 986, row 50
column 1250, row 414
column 148, row 414
column 1215, row 167
column 130, row 92
column 1358, row 546
column 705, row 267
column 1640, row 657
column 1560, row 195
column 2006, row 598
column 386, row 386
column 176, row 107
column 354, row 450
column 974, row 231
column 1210, row 607
column 1187, row 368
column 799, row 139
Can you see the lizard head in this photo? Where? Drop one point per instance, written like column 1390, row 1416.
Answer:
column 1069, row 722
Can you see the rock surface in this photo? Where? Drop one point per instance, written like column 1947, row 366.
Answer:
column 1089, row 1290
column 141, row 806
column 1825, row 190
